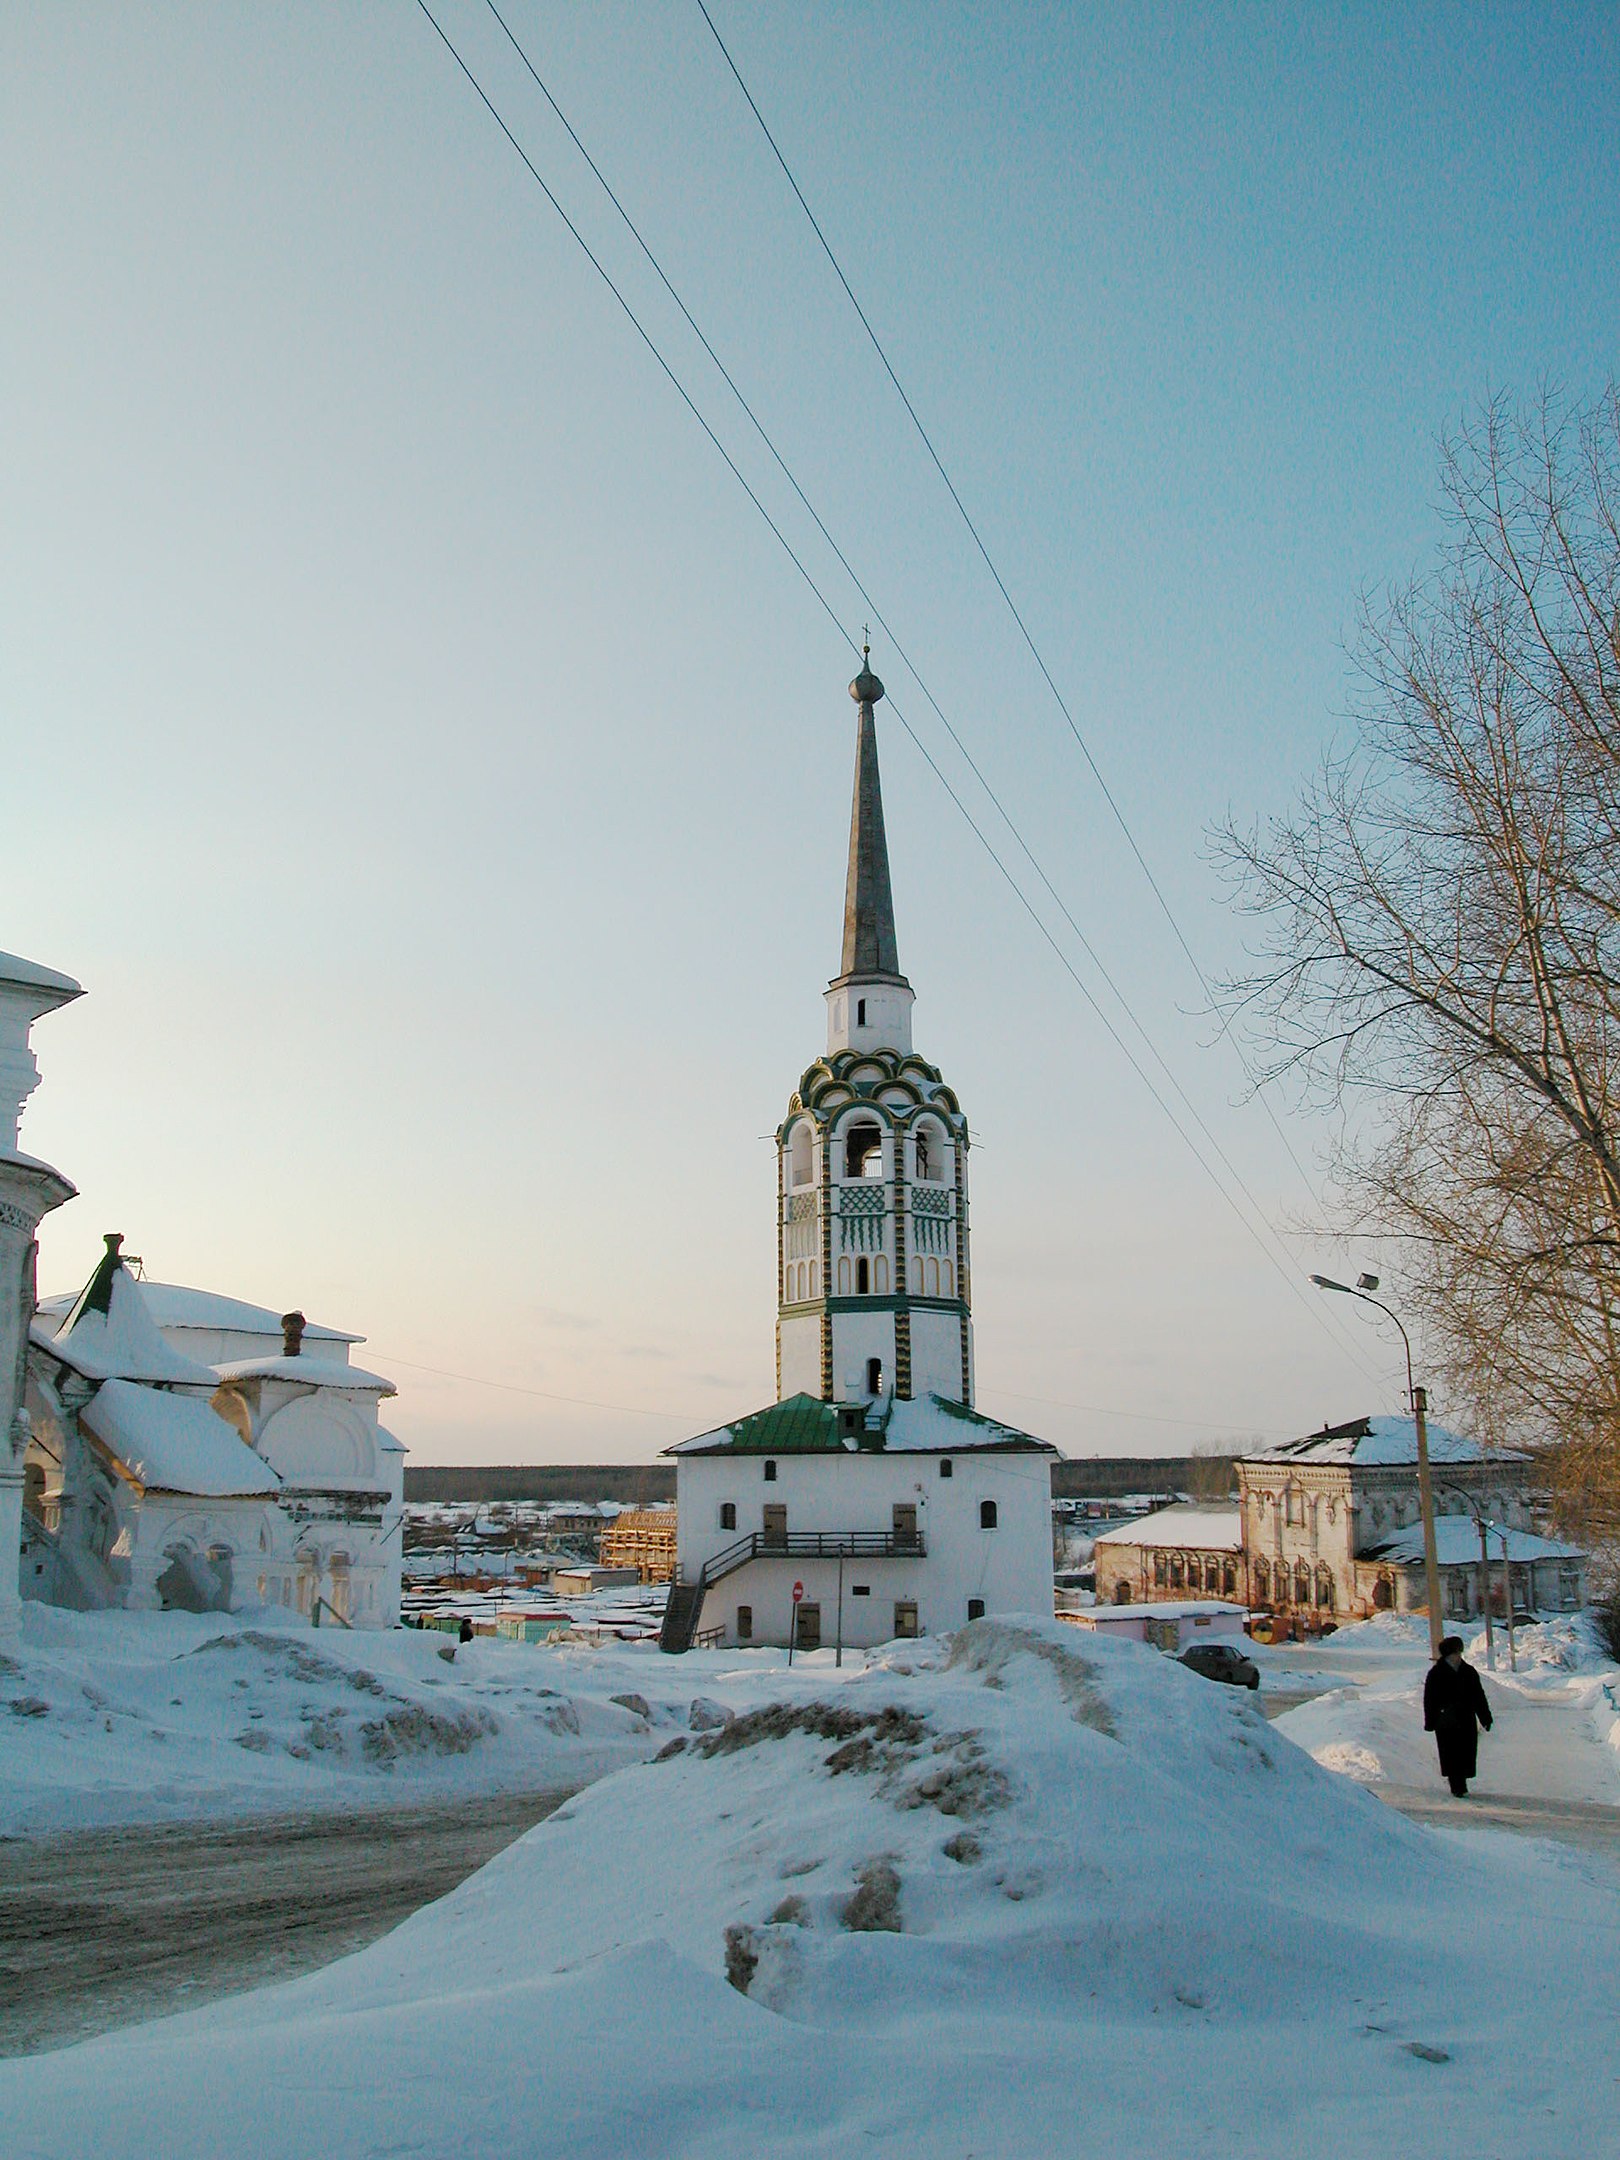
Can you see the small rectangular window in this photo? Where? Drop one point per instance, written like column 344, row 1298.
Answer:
column 860, row 1589
column 745, row 1623
column 975, row 1608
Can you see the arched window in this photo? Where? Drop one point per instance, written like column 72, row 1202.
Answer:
column 947, row 1283
column 1302, row 1584
column 987, row 1515
column 975, row 1608
column 1229, row 1579
column 1175, row 1571
column 1160, row 1571
column 843, row 1277
column 1122, row 1592
column 770, row 1472
column 863, row 1152
column 945, row 1468
column 1262, row 1582
column 880, row 1275
column 925, row 1154
column 874, row 1376
column 863, row 1276
column 1324, row 1590
column 916, row 1275
column 933, row 1278
column 800, row 1160
column 728, row 1514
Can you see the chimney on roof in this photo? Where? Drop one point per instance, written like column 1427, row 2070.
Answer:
column 292, row 1334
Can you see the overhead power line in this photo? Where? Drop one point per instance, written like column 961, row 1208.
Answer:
column 1284, row 1271
column 877, row 615
column 1013, row 608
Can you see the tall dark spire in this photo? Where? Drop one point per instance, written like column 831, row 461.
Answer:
column 870, row 950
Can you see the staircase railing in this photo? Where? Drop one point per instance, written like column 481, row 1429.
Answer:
column 811, row 1545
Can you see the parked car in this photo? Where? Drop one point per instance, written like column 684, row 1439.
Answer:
column 1220, row 1661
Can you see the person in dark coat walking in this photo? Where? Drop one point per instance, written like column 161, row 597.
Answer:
column 1454, row 1708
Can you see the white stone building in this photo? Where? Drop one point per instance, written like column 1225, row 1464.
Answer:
column 189, row 1450
column 28, row 1192
column 871, row 1483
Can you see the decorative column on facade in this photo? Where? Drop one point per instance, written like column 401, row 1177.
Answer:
column 28, row 1192
column 826, row 1269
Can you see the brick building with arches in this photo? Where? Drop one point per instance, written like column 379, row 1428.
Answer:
column 1327, row 1528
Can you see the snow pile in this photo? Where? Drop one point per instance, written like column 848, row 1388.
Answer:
column 1016, row 1895
column 110, row 1718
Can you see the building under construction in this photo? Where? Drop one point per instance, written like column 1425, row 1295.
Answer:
column 642, row 1538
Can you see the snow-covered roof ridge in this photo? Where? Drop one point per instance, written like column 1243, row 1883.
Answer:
column 1202, row 1529
column 311, row 1371
column 174, row 1443
column 176, row 1307
column 1382, row 1443
column 110, row 1335
column 30, row 975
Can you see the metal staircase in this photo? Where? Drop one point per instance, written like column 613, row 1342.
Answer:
column 685, row 1605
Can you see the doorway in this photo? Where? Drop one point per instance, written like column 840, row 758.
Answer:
column 775, row 1521
column 807, row 1627
column 905, row 1523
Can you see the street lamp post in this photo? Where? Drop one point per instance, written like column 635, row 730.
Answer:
column 1419, row 1399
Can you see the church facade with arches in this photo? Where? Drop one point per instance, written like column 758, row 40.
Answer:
column 872, row 1485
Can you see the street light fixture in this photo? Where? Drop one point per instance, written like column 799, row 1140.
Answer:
column 1419, row 1399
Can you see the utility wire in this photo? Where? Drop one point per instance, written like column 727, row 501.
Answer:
column 1339, row 1333
column 877, row 614
column 511, row 1387
column 1283, row 1271
column 926, row 439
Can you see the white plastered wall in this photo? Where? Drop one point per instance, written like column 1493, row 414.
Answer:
column 1009, row 1567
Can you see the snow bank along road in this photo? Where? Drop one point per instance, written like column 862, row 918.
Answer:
column 1013, row 1895
column 102, row 1927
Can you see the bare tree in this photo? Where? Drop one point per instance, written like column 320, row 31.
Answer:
column 1440, row 949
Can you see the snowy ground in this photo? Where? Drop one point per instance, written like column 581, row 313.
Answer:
column 111, row 1718
column 1016, row 1896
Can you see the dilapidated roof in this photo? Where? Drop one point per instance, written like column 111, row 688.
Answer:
column 1381, row 1443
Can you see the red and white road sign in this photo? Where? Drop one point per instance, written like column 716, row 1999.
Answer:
column 798, row 1592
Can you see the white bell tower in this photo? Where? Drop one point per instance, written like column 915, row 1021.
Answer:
column 873, row 1281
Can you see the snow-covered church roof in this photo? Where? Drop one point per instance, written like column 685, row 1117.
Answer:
column 174, row 1443
column 1381, row 1443
column 805, row 1425
column 108, row 1333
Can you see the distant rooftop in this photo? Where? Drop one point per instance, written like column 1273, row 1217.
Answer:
column 1188, row 1529
column 1381, row 1443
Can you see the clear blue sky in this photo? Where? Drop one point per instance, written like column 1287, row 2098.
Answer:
column 439, row 779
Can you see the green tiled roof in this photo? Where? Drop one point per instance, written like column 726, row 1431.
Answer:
column 803, row 1425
